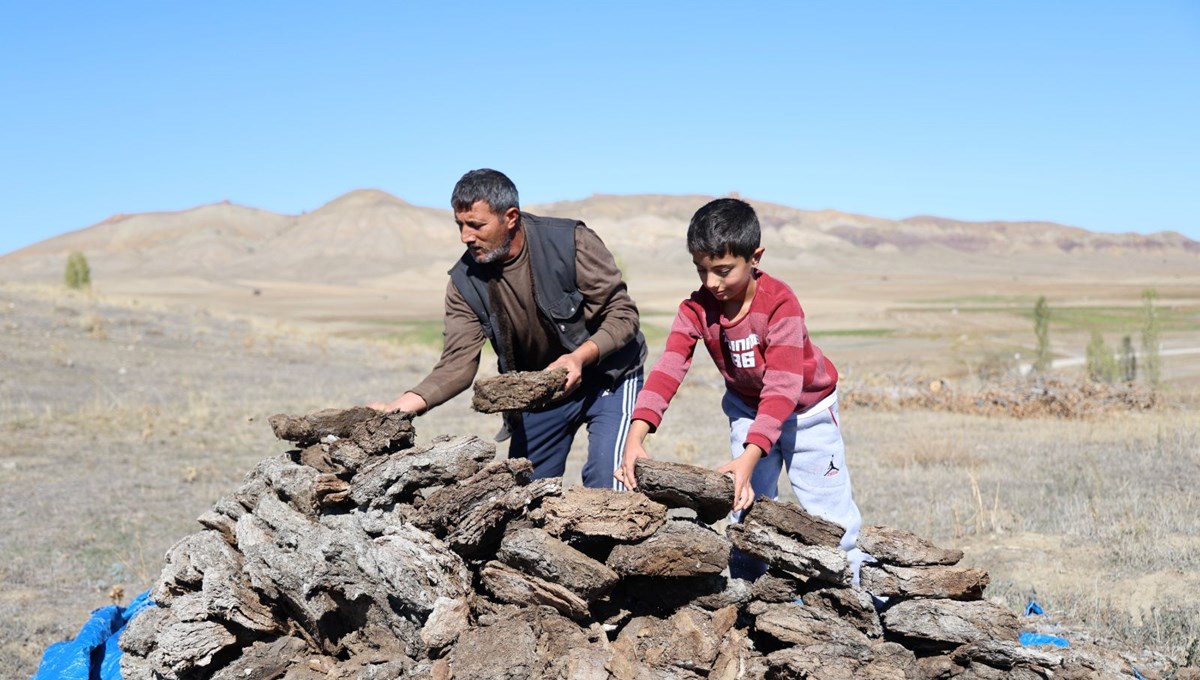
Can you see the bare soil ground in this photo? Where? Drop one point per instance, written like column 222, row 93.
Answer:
column 120, row 423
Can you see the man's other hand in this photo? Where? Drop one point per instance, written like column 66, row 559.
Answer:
column 585, row 355
column 574, row 371
column 409, row 402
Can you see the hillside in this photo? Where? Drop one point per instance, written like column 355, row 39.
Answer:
column 226, row 241
column 371, row 255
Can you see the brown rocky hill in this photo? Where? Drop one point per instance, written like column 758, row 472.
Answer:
column 368, row 246
column 359, row 233
column 662, row 216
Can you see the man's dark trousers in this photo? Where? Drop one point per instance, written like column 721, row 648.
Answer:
column 545, row 436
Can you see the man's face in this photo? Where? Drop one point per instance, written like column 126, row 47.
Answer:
column 487, row 236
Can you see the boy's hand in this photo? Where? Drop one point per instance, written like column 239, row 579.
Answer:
column 741, row 468
column 638, row 429
column 624, row 474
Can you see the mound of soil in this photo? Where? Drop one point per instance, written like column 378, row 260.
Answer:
column 1016, row 398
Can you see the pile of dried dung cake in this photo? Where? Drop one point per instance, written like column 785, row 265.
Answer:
column 361, row 555
column 1016, row 398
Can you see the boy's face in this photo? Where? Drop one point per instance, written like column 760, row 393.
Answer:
column 727, row 277
column 487, row 235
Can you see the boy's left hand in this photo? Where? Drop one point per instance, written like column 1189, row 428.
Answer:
column 741, row 468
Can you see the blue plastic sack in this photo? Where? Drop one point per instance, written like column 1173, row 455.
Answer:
column 1032, row 608
column 1036, row 639
column 93, row 654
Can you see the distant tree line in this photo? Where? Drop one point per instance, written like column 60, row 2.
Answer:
column 1103, row 364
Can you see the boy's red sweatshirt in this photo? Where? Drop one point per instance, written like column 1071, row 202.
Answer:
column 766, row 358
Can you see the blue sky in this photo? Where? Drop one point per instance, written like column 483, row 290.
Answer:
column 1085, row 113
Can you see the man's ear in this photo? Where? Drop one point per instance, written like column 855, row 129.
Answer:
column 758, row 253
column 511, row 216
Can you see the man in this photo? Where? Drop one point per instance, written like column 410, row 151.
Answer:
column 546, row 293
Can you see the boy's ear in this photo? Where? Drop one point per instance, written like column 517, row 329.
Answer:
column 758, row 253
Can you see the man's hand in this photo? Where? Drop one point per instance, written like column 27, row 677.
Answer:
column 574, row 371
column 634, row 450
column 585, row 355
column 741, row 468
column 409, row 402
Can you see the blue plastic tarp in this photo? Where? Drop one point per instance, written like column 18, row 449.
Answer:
column 93, row 654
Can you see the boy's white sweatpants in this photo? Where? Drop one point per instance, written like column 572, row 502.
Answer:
column 810, row 447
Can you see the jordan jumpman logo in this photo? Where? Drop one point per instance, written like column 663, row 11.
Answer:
column 833, row 469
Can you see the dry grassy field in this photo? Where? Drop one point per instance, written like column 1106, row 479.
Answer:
column 120, row 422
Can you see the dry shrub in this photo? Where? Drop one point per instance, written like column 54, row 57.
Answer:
column 996, row 366
column 930, row 449
column 986, row 516
column 94, row 325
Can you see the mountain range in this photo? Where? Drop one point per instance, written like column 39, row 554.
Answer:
column 370, row 240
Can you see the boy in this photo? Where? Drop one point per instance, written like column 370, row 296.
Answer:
column 780, row 396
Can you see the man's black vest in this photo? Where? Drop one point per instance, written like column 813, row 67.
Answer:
column 551, row 243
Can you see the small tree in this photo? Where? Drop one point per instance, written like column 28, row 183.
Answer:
column 1101, row 364
column 1041, row 329
column 78, row 274
column 1128, row 360
column 1151, row 361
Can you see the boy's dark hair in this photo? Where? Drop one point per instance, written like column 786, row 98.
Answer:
column 725, row 225
column 488, row 185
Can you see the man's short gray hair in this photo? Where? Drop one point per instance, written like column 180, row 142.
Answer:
column 488, row 185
